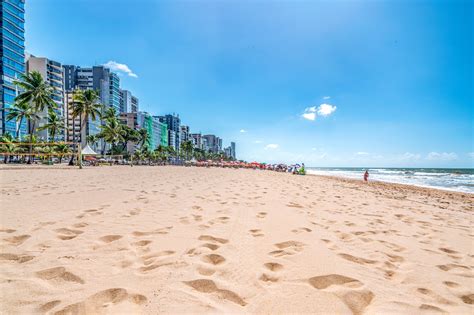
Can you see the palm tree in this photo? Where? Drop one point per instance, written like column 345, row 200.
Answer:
column 143, row 137
column 86, row 105
column 187, row 147
column 92, row 139
column 8, row 147
column 112, row 132
column 109, row 113
column 20, row 111
column 62, row 150
column 37, row 93
column 23, row 110
column 54, row 125
column 129, row 135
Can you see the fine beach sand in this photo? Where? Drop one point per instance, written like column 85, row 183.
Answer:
column 137, row 240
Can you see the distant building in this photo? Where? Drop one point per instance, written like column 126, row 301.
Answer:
column 184, row 133
column 212, row 143
column 52, row 73
column 232, row 151
column 100, row 79
column 12, row 65
column 143, row 120
column 128, row 102
column 114, row 91
column 196, row 138
column 173, row 124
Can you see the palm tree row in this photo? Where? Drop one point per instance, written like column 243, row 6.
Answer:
column 35, row 99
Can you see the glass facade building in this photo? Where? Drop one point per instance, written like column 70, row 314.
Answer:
column 12, row 64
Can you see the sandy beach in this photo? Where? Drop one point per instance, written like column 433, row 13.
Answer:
column 148, row 240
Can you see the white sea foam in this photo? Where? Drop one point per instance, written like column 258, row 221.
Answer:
column 447, row 179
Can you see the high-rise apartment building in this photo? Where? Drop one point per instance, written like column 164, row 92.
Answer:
column 173, row 122
column 196, row 139
column 12, row 64
column 128, row 102
column 212, row 143
column 100, row 79
column 143, row 120
column 114, row 91
column 52, row 73
column 184, row 133
column 232, row 151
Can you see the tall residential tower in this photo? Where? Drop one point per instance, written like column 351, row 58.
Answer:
column 12, row 64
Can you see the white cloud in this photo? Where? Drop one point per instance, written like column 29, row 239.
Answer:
column 326, row 97
column 362, row 153
column 258, row 141
column 407, row 156
column 310, row 113
column 443, row 156
column 471, row 155
column 120, row 67
column 326, row 109
column 243, row 130
column 271, row 146
column 309, row 116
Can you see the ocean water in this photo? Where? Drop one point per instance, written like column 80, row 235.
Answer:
column 448, row 179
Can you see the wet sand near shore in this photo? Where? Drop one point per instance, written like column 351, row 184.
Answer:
column 147, row 240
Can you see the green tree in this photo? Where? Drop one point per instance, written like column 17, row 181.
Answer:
column 21, row 111
column 54, row 125
column 187, row 147
column 8, row 148
column 130, row 135
column 62, row 150
column 143, row 137
column 86, row 105
column 36, row 92
column 112, row 132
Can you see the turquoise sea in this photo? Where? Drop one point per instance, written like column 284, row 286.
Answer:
column 460, row 179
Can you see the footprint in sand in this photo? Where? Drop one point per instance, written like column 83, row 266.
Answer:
column 294, row 205
column 323, row 282
column 273, row 266
column 436, row 297
column 210, row 238
column 357, row 260
column 356, row 300
column 272, row 270
column 97, row 303
column 155, row 260
column 210, row 287
column 110, row 238
column 287, row 248
column 213, row 259
column 48, row 306
column 7, row 230
column 261, row 215
column 66, row 234
column 301, row 230
column 17, row 240
column 16, row 258
column 58, row 275
column 256, row 233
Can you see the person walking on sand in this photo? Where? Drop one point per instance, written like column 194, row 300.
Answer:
column 366, row 176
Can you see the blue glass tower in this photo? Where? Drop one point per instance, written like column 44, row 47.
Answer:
column 12, row 64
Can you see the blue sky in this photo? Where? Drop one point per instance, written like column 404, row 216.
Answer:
column 395, row 77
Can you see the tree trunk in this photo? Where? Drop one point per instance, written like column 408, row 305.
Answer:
column 30, row 160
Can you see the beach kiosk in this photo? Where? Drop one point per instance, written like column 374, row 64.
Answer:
column 88, row 153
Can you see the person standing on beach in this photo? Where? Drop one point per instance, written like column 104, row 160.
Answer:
column 366, row 176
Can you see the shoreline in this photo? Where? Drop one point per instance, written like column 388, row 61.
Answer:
column 402, row 185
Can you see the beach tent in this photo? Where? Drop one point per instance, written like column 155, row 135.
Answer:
column 88, row 151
